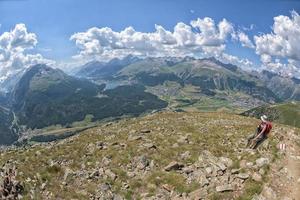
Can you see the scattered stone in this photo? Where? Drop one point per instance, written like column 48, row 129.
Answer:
column 174, row 165
column 261, row 171
column 183, row 139
column 145, row 131
column 235, row 171
column 185, row 155
column 242, row 176
column 142, row 162
column 168, row 187
column 262, row 161
column 256, row 177
column 110, row 174
column 134, row 138
column 150, row 146
column 198, row 194
column 208, row 171
column 249, row 164
column 104, row 187
column 175, row 145
column 10, row 188
column 221, row 166
column 243, row 163
column 225, row 188
column 227, row 161
column 203, row 180
column 269, row 193
column 188, row 169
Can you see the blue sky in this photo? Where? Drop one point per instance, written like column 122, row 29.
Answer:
column 55, row 21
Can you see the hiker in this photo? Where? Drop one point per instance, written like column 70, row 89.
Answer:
column 261, row 134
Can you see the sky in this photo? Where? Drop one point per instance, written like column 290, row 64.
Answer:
column 65, row 33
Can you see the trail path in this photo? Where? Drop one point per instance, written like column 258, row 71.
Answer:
column 284, row 178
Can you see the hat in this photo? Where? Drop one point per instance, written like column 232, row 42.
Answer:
column 264, row 118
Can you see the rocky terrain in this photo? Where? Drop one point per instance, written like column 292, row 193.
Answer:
column 165, row 155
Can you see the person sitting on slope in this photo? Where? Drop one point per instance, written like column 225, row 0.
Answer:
column 261, row 134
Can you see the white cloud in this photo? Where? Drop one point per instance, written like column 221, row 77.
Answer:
column 202, row 36
column 281, row 44
column 245, row 41
column 13, row 55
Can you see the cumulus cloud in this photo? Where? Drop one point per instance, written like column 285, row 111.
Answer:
column 281, row 44
column 201, row 36
column 13, row 55
column 244, row 40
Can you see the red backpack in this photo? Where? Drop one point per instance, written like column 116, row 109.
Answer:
column 268, row 128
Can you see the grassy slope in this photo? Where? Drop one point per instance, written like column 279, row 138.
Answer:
column 217, row 132
column 285, row 113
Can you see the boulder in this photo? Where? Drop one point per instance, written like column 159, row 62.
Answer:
column 134, row 138
column 227, row 161
column 224, row 188
column 111, row 174
column 145, row 131
column 174, row 165
column 262, row 162
column 242, row 176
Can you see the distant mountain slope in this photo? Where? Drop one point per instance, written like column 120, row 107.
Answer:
column 225, row 84
column 46, row 96
column 285, row 113
column 6, row 135
column 208, row 74
column 96, row 69
column 284, row 87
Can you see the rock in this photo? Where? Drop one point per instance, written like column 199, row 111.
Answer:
column 242, row 176
column 269, row 193
column 224, row 188
column 43, row 186
column 175, row 145
column 145, row 131
column 67, row 174
column 198, row 194
column 117, row 197
column 104, row 187
column 259, row 197
column 174, row 165
column 249, row 164
column 106, row 161
column 185, row 155
column 262, row 161
column 142, row 162
column 133, row 138
column 203, row 180
column 99, row 145
column 243, row 163
column 167, row 187
column 188, row 169
column 256, row 177
column 221, row 166
column 150, row 146
column 227, row 161
column 110, row 174
column 183, row 139
column 261, row 171
column 235, row 171
column 10, row 188
column 208, row 171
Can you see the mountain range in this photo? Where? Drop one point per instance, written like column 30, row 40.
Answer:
column 43, row 96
